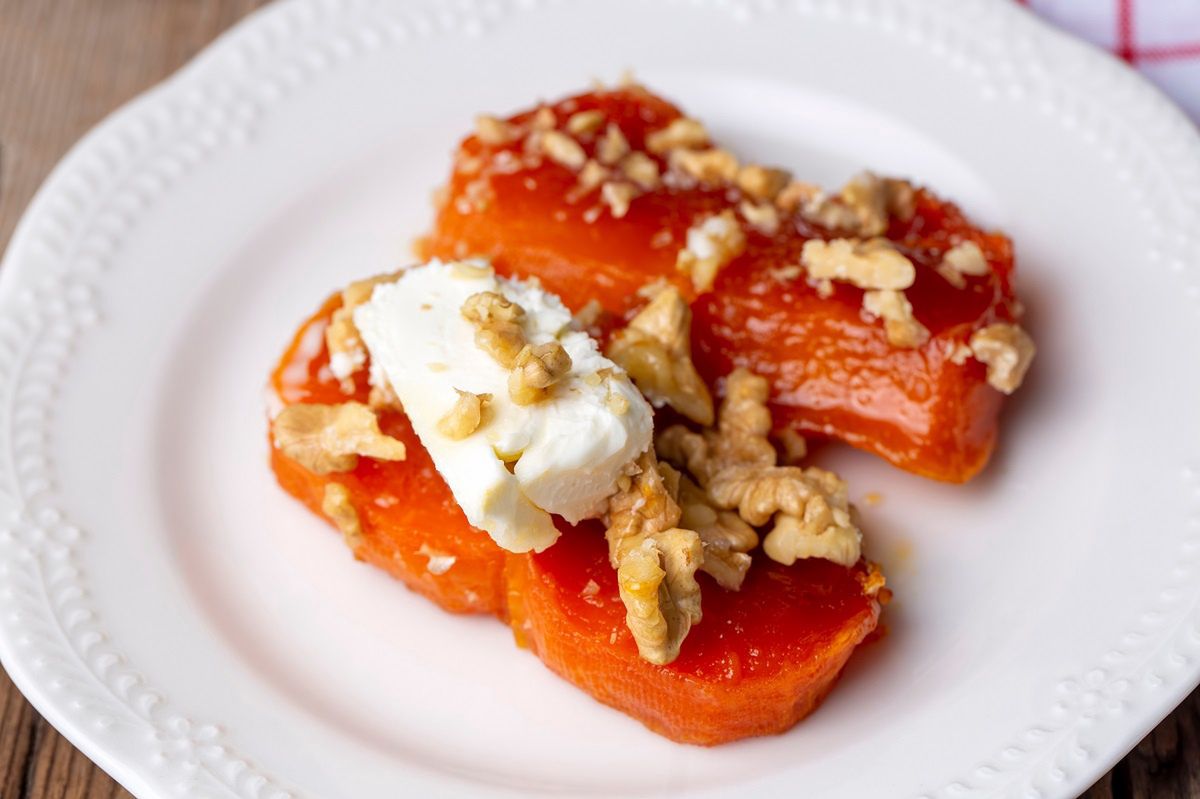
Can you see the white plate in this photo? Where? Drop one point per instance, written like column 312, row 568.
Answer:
column 199, row 634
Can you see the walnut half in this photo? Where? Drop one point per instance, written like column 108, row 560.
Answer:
column 330, row 438
column 656, row 350
column 656, row 563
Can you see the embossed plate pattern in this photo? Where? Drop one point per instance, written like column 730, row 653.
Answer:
column 199, row 635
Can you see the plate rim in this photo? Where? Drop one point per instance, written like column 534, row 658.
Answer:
column 1053, row 67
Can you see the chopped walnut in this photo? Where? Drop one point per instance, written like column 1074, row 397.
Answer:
column 876, row 200
column 498, row 330
column 617, row 196
column 656, row 563
column 330, row 438
column 336, row 505
column 1007, row 350
column 591, row 177
column 656, row 350
column 613, row 146
column 902, row 328
column 585, row 122
column 762, row 183
column 958, row 353
column 726, row 538
column 711, row 244
column 536, row 370
column 641, row 169
column 492, row 130
column 763, row 217
column 681, row 133
column 707, row 166
column 795, row 448
column 587, row 316
column 736, row 466
column 544, row 119
column 964, row 258
column 871, row 264
column 797, row 194
column 563, row 150
column 465, row 417
column 346, row 352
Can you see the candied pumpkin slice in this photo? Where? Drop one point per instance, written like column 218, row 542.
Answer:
column 604, row 193
column 411, row 527
column 761, row 659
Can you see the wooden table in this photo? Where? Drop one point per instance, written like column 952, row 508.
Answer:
column 64, row 64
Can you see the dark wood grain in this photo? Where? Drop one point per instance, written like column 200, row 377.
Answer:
column 64, row 64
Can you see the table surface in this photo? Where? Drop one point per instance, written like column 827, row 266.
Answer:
column 64, row 65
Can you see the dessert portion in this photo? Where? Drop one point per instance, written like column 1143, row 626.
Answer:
column 585, row 412
column 880, row 314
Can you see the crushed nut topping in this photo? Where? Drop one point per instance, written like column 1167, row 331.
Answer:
column 763, row 217
column 656, row 350
column 726, row 538
column 641, row 169
column 346, row 351
column 613, row 147
column 711, row 244
column 585, row 122
column 681, row 133
column 795, row 448
column 902, row 328
column 958, row 353
column 544, row 118
column 876, row 200
column 536, row 370
column 492, row 130
column 1007, row 350
column 498, row 330
column 870, row 264
column 707, row 166
column 762, row 183
column 336, row 505
column 465, row 417
column 330, row 438
column 964, row 258
column 656, row 563
column 590, row 178
column 563, row 150
column 587, row 316
column 736, row 465
column 617, row 196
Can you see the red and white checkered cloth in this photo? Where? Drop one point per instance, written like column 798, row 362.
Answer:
column 1161, row 38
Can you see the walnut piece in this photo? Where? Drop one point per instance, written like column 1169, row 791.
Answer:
column 617, row 196
column 656, row 563
column 330, row 438
column 726, row 538
column 563, row 150
column 641, row 169
column 711, row 244
column 1007, row 350
column 713, row 165
column 613, row 146
column 465, row 417
column 336, row 505
column 964, row 258
column 492, row 130
column 903, row 329
column 585, row 122
column 870, row 264
column 763, row 217
column 762, row 183
column 498, row 330
column 536, row 370
column 736, row 465
column 876, row 200
column 682, row 133
column 655, row 348
column 347, row 354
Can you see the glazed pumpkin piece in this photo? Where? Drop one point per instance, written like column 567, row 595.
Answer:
column 408, row 523
column 880, row 315
column 761, row 659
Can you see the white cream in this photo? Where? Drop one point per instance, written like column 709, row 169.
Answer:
column 567, row 451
